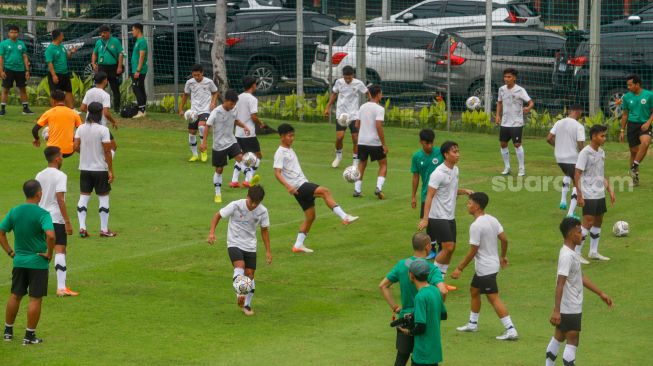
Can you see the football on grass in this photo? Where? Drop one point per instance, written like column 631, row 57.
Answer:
column 351, row 174
column 620, row 228
column 243, row 285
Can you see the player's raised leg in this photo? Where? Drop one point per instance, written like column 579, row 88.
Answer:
column 325, row 194
column 380, row 179
column 358, row 185
column 309, row 218
column 340, row 136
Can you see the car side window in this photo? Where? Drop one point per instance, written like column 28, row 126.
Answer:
column 389, row 39
column 428, row 10
column 285, row 26
column 462, row 9
column 516, row 45
column 418, row 40
column 322, row 24
column 550, row 46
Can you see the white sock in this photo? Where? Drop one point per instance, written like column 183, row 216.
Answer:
column 379, row 183
column 238, row 272
column 473, row 318
column 249, row 172
column 507, row 322
column 82, row 209
column 520, row 156
column 566, row 181
column 201, row 128
column 572, row 203
column 217, row 182
column 569, row 355
column 505, row 154
column 104, row 212
column 355, row 160
column 595, row 236
column 238, row 168
column 584, row 232
column 443, row 268
column 339, row 154
column 60, row 267
column 113, row 154
column 552, row 352
column 248, row 297
column 339, row 211
column 192, row 142
column 300, row 239
column 358, row 185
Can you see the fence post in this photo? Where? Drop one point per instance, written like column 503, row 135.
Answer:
column 149, row 37
column 582, row 14
column 300, row 54
column 124, row 39
column 195, row 34
column 595, row 58
column 360, row 41
column 31, row 10
column 329, row 56
column 385, row 10
column 175, row 51
column 449, row 83
column 488, row 58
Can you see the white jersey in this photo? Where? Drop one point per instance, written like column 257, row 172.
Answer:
column 484, row 233
column 242, row 224
column 286, row 160
column 222, row 122
column 592, row 163
column 368, row 114
column 349, row 97
column 52, row 181
column 445, row 181
column 100, row 96
column 201, row 94
column 568, row 132
column 513, row 101
column 572, row 293
column 91, row 151
column 246, row 106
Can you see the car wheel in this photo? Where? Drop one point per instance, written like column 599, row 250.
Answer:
column 478, row 89
column 87, row 71
column 266, row 75
column 612, row 102
column 373, row 77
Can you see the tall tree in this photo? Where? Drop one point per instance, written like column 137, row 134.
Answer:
column 218, row 49
column 52, row 10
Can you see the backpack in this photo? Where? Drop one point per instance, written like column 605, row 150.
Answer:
column 129, row 111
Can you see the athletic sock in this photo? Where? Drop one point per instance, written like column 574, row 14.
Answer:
column 248, row 297
column 443, row 268
column 238, row 272
column 473, row 318
column 339, row 211
column 505, row 154
column 635, row 165
column 507, row 322
column 9, row 329
column 552, row 352
column 572, row 203
column 113, row 154
column 25, row 105
column 60, row 267
column 584, row 232
column 192, row 142
column 379, row 183
column 104, row 212
column 569, row 355
column 520, row 156
column 358, row 185
column 217, row 182
column 237, row 170
column 3, row 106
column 247, row 172
column 252, row 170
column 566, row 181
column 201, row 129
column 30, row 333
column 595, row 236
column 82, row 208
column 339, row 154
column 355, row 160
column 141, row 108
column 300, row 239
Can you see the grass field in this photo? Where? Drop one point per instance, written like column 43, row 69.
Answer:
column 159, row 295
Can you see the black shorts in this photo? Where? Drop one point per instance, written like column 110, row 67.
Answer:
column 14, row 77
column 487, row 284
column 200, row 118
column 635, row 131
column 237, row 254
column 511, row 133
column 595, row 207
column 89, row 180
column 568, row 170
column 442, row 231
column 305, row 195
column 570, row 322
column 219, row 158
column 64, row 83
column 249, row 144
column 404, row 343
column 61, row 238
column 352, row 127
column 374, row 152
column 36, row 280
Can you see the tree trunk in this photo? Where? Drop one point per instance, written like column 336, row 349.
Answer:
column 218, row 49
column 52, row 10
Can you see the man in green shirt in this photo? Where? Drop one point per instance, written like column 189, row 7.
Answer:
column 14, row 69
column 421, row 248
column 34, row 239
column 108, row 57
column 56, row 57
column 139, row 68
column 636, row 105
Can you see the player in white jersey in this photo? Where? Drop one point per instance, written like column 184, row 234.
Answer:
column 244, row 215
column 289, row 173
column 568, row 137
column 371, row 141
column 247, row 113
column 97, row 94
column 223, row 119
column 568, row 306
column 348, row 90
column 484, row 234
column 203, row 99
column 510, row 115
column 54, row 186
column 592, row 184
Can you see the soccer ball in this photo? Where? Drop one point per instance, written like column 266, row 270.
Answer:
column 351, row 174
column 190, row 115
column 343, row 119
column 249, row 159
column 473, row 103
column 243, row 285
column 620, row 228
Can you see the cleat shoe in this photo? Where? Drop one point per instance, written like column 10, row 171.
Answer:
column 217, row 198
column 66, row 292
column 204, row 156
column 83, row 233
column 379, row 194
column 349, row 219
column 107, row 234
column 31, row 340
column 357, row 194
column 2, row 112
column 336, row 162
column 256, row 180
column 301, row 249
column 506, row 171
column 522, row 172
column 563, row 205
column 9, row 335
column 27, row 111
column 508, row 335
column 240, row 300
column 140, row 114
column 234, row 185
column 450, row 287
column 193, row 159
column 246, row 184
column 431, row 255
column 468, row 328
column 598, row 257
column 247, row 310
column 583, row 260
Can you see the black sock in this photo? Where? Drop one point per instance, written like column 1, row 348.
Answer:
column 635, row 165
column 25, row 104
column 3, row 106
column 30, row 334
column 9, row 329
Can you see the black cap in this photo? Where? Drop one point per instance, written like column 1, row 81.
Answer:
column 94, row 112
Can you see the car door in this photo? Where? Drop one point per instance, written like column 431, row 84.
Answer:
column 520, row 52
column 461, row 12
column 284, row 44
column 385, row 54
column 317, row 31
column 416, row 43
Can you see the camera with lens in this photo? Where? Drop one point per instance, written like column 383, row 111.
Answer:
column 406, row 322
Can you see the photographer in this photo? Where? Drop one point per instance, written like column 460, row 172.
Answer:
column 421, row 247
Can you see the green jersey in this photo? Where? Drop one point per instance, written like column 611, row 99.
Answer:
column 12, row 54
column 140, row 45
column 424, row 165
column 638, row 106
column 58, row 56
column 108, row 51
column 408, row 290
column 29, row 223
column 429, row 308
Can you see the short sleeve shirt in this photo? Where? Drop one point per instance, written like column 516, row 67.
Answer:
column 52, row 181
column 108, row 51
column 58, row 56
column 29, row 223
column 368, row 114
column 592, row 163
column 572, row 293
column 513, row 101
column 92, row 136
column 246, row 106
column 241, row 233
column 424, row 164
column 429, row 307
column 140, row 45
column 399, row 273
column 201, row 94
column 12, row 54
column 222, row 122
column 349, row 97
column 100, row 96
column 638, row 106
column 568, row 132
column 484, row 233
column 445, row 181
column 62, row 122
column 286, row 160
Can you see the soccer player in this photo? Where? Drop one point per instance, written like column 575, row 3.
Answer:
column 139, row 68
column 371, row 141
column 53, row 199
column 225, row 147
column 203, row 99
column 244, row 215
column 14, row 69
column 510, row 115
column 568, row 138
column 107, row 57
column 60, row 123
column 247, row 113
column 348, row 90
column 33, row 245
column 56, row 57
column 93, row 143
column 592, row 184
column 97, row 94
column 440, row 203
column 289, row 173
column 568, row 308
column 421, row 248
column 637, row 106
column 483, row 235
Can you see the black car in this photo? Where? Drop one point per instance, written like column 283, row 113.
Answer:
column 641, row 21
column 262, row 44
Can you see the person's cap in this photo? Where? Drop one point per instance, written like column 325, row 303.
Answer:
column 420, row 268
column 94, row 112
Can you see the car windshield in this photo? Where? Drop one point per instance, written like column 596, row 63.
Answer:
column 276, row 3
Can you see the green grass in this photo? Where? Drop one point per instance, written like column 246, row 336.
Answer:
column 158, row 294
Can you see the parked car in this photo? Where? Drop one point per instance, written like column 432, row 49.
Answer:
column 532, row 51
column 642, row 20
column 452, row 13
column 394, row 54
column 256, row 4
column 262, row 44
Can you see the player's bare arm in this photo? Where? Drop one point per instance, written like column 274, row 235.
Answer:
column 184, row 99
column 265, row 235
column 579, row 191
column 214, row 223
column 415, row 184
column 473, row 249
column 214, row 100
column 379, row 131
column 560, row 285
column 277, row 174
column 332, row 99
column 624, row 121
column 243, row 126
column 587, row 283
column 504, row 250
column 257, row 120
column 427, row 208
column 497, row 119
column 61, row 201
column 106, row 112
column 551, row 139
column 109, row 159
column 386, row 292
